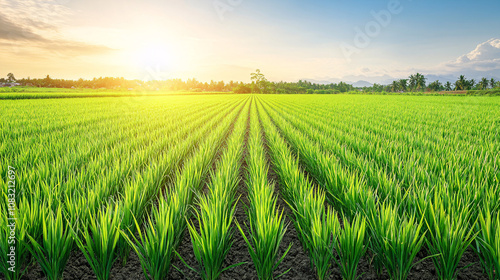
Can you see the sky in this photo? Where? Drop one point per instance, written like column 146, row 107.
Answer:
column 326, row 41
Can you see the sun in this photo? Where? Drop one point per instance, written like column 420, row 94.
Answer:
column 154, row 56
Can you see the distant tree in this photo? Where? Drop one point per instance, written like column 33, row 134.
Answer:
column 461, row 83
column 394, row 86
column 420, row 79
column 448, row 86
column 242, row 89
column 483, row 84
column 260, row 80
column 403, row 84
column 417, row 82
column 435, row 86
column 11, row 78
column 492, row 83
column 470, row 84
column 412, row 82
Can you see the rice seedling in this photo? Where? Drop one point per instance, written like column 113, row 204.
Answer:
column 98, row 239
column 448, row 235
column 488, row 242
column 16, row 222
column 350, row 246
column 155, row 246
column 52, row 253
column 395, row 240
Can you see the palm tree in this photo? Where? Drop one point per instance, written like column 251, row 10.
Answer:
column 413, row 82
column 484, row 83
column 492, row 83
column 394, row 86
column 435, row 86
column 420, row 81
column 403, row 84
column 461, row 83
column 470, row 83
column 448, row 86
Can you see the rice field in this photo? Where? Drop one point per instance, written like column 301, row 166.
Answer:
column 250, row 187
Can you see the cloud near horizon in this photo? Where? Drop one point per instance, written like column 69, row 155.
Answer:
column 483, row 61
column 22, row 32
column 485, row 57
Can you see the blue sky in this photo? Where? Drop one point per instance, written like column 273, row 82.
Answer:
column 227, row 39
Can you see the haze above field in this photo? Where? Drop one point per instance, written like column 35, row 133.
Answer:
column 325, row 41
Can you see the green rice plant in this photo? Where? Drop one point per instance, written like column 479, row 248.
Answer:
column 52, row 253
column 448, row 236
column 155, row 246
column 16, row 222
column 12, row 261
column 132, row 207
column 266, row 222
column 267, row 230
column 212, row 244
column 350, row 247
column 320, row 241
column 488, row 242
column 98, row 239
column 395, row 241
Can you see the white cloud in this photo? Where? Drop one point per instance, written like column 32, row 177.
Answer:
column 485, row 57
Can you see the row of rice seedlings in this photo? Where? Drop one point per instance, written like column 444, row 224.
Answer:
column 164, row 228
column 53, row 165
column 409, row 241
column 397, row 256
column 315, row 224
column 216, row 208
column 471, row 195
column 393, row 123
column 266, row 222
column 111, row 182
column 65, row 165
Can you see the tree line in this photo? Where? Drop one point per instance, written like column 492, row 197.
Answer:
column 259, row 84
column 417, row 82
